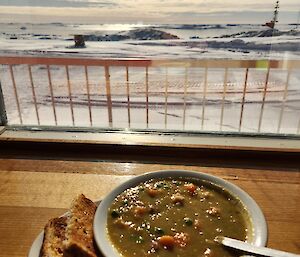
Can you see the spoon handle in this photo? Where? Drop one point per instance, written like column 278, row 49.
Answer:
column 249, row 248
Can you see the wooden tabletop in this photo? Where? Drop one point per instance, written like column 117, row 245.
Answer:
column 33, row 190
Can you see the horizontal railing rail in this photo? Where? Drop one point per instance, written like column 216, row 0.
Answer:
column 163, row 90
column 32, row 60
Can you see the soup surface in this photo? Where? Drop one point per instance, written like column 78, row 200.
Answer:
column 175, row 217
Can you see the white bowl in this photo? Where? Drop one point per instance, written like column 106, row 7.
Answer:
column 259, row 225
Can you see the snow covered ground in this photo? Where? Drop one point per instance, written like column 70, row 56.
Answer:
column 172, row 111
column 57, row 38
column 173, row 115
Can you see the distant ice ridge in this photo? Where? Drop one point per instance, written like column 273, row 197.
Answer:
column 195, row 26
column 237, row 44
column 136, row 34
column 263, row 33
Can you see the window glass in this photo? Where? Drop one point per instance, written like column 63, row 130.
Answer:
column 201, row 66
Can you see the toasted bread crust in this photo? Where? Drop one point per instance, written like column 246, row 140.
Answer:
column 71, row 235
column 54, row 235
column 79, row 232
column 75, row 250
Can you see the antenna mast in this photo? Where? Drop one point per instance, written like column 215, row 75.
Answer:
column 275, row 18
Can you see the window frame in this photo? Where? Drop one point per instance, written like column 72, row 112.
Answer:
column 3, row 117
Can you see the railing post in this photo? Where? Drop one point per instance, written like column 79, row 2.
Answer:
column 263, row 99
column 243, row 99
column 204, row 97
column 51, row 92
column 147, row 96
column 16, row 93
column 3, row 117
column 33, row 94
column 223, row 98
column 88, row 93
column 284, row 100
column 184, row 95
column 70, row 94
column 108, row 95
column 128, row 95
column 166, row 97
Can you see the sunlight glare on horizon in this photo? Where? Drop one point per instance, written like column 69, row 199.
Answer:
column 146, row 11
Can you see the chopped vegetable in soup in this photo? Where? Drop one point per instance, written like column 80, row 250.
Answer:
column 175, row 217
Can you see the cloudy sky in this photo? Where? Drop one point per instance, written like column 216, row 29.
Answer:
column 147, row 11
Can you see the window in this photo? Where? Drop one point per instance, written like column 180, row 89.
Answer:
column 192, row 66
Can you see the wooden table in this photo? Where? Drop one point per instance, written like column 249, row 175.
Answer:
column 35, row 189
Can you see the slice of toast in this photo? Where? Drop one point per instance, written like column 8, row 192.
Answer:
column 79, row 237
column 54, row 236
column 72, row 234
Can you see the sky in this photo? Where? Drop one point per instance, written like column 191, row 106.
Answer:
column 147, row 11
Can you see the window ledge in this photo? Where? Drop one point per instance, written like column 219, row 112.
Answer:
column 182, row 140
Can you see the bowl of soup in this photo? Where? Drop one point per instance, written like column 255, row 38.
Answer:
column 176, row 213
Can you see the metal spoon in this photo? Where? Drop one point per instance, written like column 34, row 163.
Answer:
column 249, row 248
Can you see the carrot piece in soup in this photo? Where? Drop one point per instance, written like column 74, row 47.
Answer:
column 152, row 192
column 167, row 241
column 191, row 188
column 139, row 211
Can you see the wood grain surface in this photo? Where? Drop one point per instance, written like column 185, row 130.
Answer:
column 35, row 190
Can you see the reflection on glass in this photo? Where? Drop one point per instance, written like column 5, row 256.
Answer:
column 159, row 65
